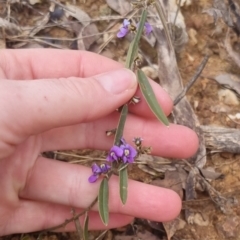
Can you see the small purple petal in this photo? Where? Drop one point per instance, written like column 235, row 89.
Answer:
column 93, row 178
column 148, row 28
column 111, row 158
column 105, row 167
column 125, row 159
column 118, row 151
column 115, row 153
column 133, row 151
column 126, row 23
column 122, row 32
column 96, row 169
column 129, row 160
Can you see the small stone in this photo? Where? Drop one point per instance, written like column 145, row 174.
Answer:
column 192, row 33
column 200, row 220
column 151, row 72
column 228, row 97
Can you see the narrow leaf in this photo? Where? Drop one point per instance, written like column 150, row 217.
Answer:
column 121, row 123
column 123, row 183
column 103, row 201
column 133, row 48
column 85, row 227
column 150, row 97
column 162, row 16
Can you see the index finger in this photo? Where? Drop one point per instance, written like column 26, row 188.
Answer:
column 52, row 63
column 27, row 64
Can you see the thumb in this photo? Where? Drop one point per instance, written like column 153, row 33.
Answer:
column 40, row 105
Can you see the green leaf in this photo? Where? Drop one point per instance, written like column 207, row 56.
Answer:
column 123, row 182
column 121, row 123
column 103, row 201
column 133, row 48
column 85, row 227
column 150, row 97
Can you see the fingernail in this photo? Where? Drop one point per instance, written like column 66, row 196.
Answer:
column 117, row 81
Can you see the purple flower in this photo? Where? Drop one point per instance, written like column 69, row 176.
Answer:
column 123, row 31
column 124, row 152
column 129, row 153
column 114, row 154
column 147, row 28
column 97, row 171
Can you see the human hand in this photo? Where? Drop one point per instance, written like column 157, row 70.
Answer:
column 58, row 100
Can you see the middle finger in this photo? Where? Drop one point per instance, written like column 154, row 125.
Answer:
column 174, row 141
